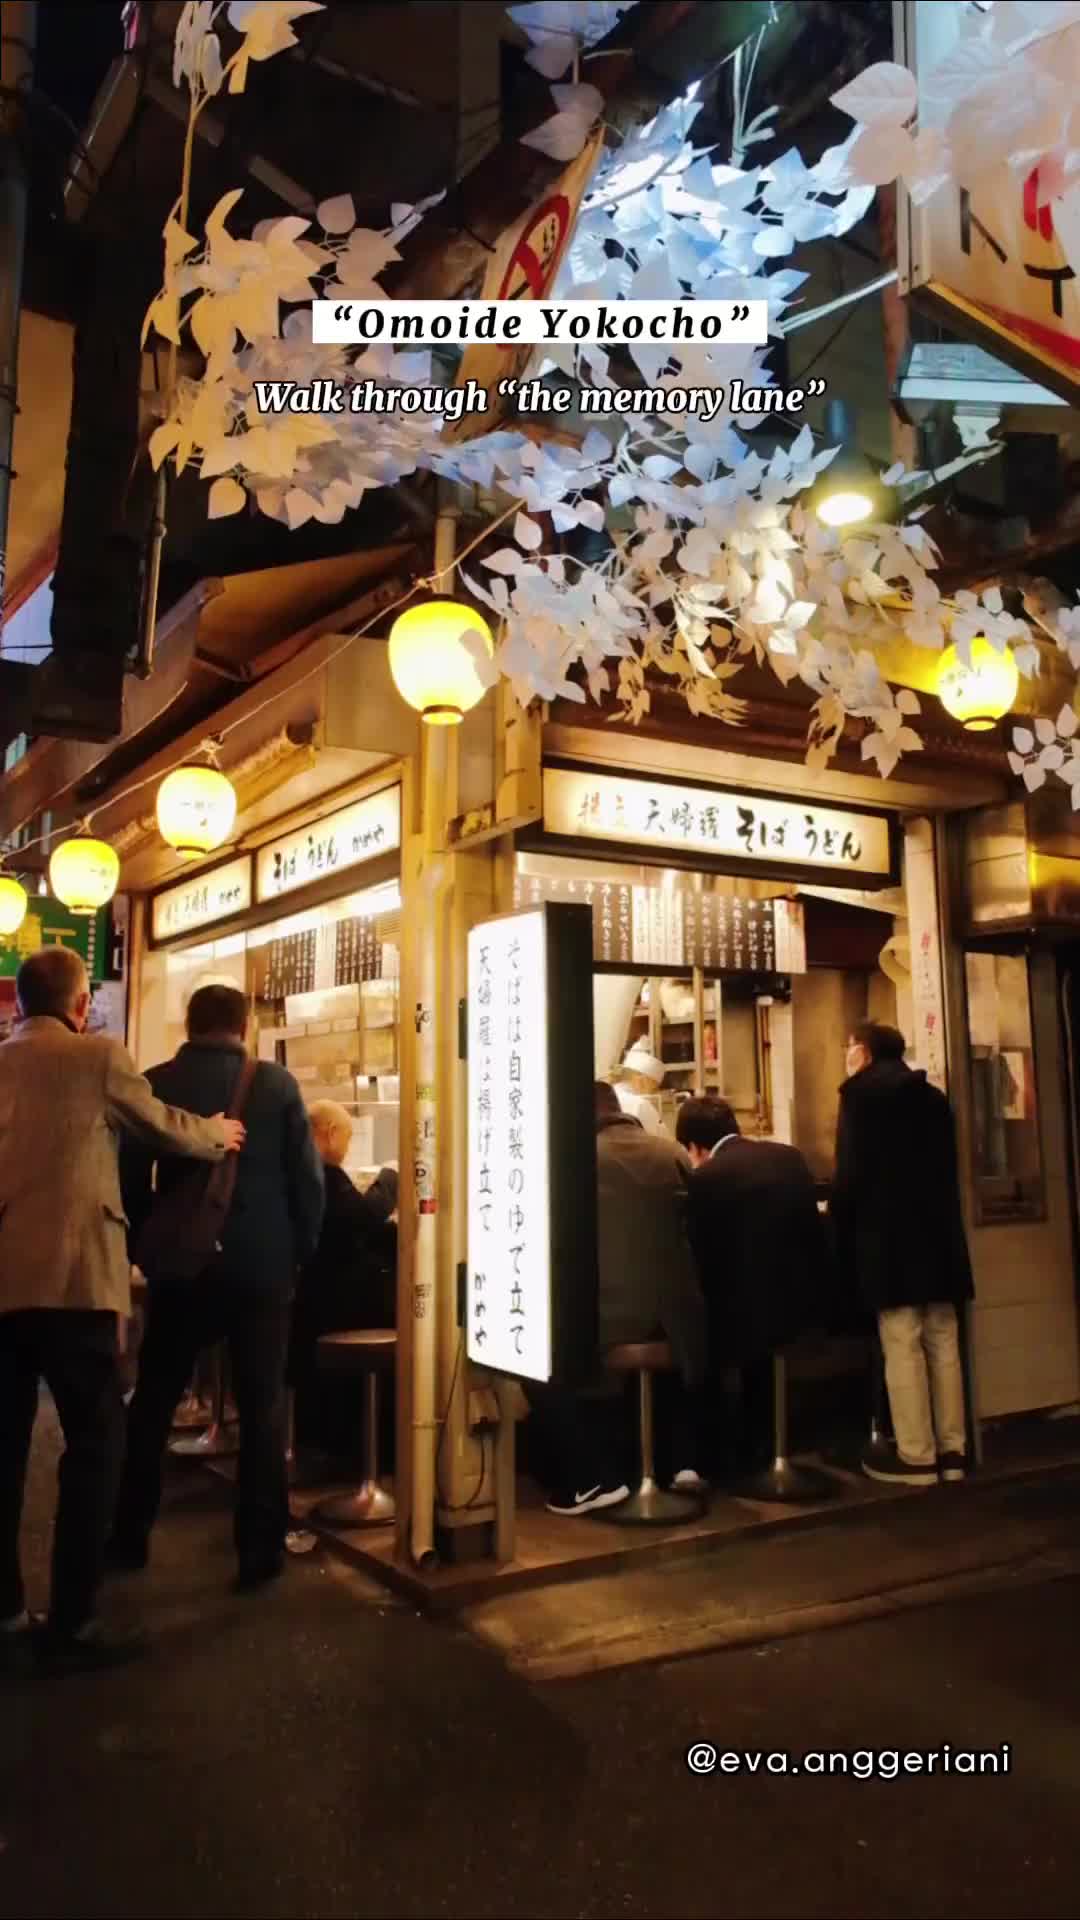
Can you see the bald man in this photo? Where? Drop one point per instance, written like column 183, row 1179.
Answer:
column 66, row 1098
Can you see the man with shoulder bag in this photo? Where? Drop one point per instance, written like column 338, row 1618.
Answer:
column 220, row 1261
column 66, row 1098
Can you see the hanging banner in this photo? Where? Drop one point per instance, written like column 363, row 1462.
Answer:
column 994, row 255
column 522, row 266
column 531, row 1270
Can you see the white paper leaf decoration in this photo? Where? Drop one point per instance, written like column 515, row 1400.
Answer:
column 880, row 153
column 1067, row 722
column 504, row 561
column 527, row 533
column 1045, row 730
column 1016, row 763
column 907, row 700
column 226, row 496
column 1023, row 739
column 337, row 215
column 591, row 514
column 1034, row 777
column 884, row 94
column 1052, row 757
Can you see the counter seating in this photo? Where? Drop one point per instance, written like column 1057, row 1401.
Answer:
column 361, row 1353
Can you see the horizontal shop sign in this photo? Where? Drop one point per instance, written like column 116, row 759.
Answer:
column 342, row 840
column 715, row 822
column 673, row 927
column 200, row 901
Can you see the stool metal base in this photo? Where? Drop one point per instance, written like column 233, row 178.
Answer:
column 211, row 1445
column 787, row 1484
column 653, row 1506
column 192, row 1412
column 370, row 1506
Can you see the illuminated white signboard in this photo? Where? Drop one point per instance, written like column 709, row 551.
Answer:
column 531, row 1273
column 204, row 898
column 344, row 839
column 716, row 821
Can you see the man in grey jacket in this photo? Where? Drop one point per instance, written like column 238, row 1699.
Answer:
column 647, row 1290
column 65, row 1099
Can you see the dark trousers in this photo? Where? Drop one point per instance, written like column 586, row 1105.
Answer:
column 578, row 1439
column 75, row 1352
column 183, row 1318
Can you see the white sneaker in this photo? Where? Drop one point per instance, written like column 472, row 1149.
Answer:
column 588, row 1501
column 688, row 1480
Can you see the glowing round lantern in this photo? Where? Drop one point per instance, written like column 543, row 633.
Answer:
column 433, row 658
column 196, row 809
column 83, row 874
column 13, row 904
column 981, row 694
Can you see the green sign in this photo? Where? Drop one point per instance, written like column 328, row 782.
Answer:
column 49, row 924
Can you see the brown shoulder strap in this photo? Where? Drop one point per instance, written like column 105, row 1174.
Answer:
column 242, row 1088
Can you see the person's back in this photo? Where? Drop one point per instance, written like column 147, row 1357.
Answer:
column 273, row 1222
column 756, row 1234
column 901, row 1248
column 243, row 1296
column 896, row 1199
column 646, row 1271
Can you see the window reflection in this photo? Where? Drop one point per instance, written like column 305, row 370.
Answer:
column 1007, row 1158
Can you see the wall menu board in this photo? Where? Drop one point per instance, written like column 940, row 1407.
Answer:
column 358, row 953
column 290, row 966
column 531, row 1269
column 673, row 927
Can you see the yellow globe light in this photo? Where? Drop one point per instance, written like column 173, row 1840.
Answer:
column 434, row 667
column 980, row 695
column 13, row 904
column 845, row 508
column 196, row 809
column 83, row 874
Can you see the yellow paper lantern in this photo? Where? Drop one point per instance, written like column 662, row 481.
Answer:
column 196, row 809
column 83, row 874
column 433, row 667
column 13, row 904
column 981, row 694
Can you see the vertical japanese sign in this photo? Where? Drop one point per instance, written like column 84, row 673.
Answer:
column 531, row 1271
column 927, row 994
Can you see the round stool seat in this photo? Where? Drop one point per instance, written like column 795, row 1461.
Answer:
column 356, row 1350
column 644, row 1356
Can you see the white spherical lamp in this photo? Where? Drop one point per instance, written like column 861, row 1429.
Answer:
column 196, row 810
column 13, row 904
column 981, row 694
column 83, row 874
column 436, row 658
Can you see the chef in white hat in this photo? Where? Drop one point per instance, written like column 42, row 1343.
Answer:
column 643, row 1076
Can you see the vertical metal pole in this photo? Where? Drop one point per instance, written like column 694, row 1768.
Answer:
column 648, row 1438
column 371, row 1427
column 505, row 1469
column 18, row 35
column 779, row 1401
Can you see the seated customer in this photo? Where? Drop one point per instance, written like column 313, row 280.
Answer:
column 647, row 1290
column 351, row 1279
column 759, row 1243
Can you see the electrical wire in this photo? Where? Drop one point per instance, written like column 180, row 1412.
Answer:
column 421, row 583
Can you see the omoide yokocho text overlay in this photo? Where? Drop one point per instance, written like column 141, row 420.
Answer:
column 510, row 325
column 518, row 323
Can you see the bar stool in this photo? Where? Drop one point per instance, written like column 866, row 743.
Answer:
column 361, row 1351
column 221, row 1436
column 648, row 1505
column 782, row 1481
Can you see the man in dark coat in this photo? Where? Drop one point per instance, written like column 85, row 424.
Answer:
column 759, row 1242
column 272, row 1229
column 901, row 1246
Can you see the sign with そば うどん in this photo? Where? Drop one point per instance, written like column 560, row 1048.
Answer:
column 531, row 1269
column 200, row 901
column 717, row 822
column 342, row 840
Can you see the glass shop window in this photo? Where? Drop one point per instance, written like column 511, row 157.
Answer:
column 1008, row 1171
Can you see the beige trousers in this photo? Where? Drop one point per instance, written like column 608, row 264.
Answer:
column 925, row 1379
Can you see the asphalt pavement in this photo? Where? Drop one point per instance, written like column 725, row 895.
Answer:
column 320, row 1750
